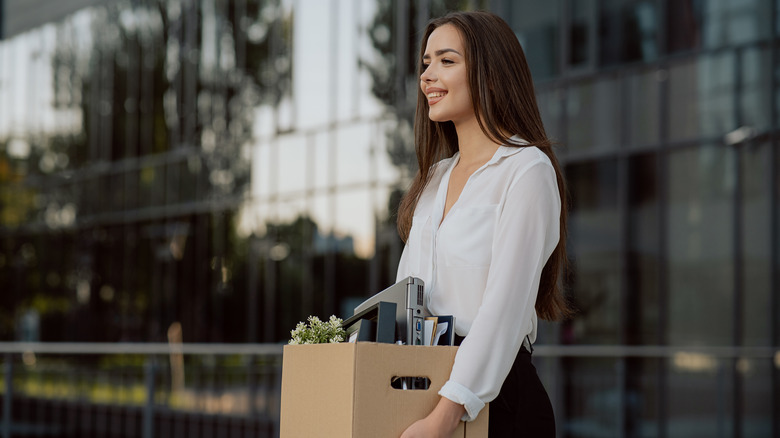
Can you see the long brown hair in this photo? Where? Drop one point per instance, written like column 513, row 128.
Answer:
column 503, row 98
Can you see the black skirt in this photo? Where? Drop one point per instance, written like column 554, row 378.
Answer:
column 522, row 407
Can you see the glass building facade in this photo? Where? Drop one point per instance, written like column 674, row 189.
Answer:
column 233, row 166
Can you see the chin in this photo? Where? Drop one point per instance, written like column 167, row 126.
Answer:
column 437, row 117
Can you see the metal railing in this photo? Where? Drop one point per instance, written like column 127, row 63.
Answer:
column 140, row 390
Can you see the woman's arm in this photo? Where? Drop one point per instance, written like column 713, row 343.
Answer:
column 441, row 422
column 525, row 235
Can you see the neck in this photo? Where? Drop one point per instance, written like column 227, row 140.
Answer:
column 474, row 145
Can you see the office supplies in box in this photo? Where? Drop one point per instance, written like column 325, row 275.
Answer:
column 344, row 390
column 408, row 294
column 375, row 323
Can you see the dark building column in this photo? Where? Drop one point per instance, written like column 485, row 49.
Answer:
column 2, row 19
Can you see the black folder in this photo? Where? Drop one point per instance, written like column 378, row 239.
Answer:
column 376, row 323
column 448, row 338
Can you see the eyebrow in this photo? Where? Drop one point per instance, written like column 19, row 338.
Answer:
column 441, row 52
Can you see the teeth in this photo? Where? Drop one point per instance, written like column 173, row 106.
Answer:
column 435, row 94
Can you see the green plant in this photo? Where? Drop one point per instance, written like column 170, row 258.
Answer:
column 318, row 331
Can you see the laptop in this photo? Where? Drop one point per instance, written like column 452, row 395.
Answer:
column 408, row 295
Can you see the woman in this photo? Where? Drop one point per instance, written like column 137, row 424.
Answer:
column 484, row 223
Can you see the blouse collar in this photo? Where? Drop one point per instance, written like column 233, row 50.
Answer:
column 502, row 152
column 506, row 151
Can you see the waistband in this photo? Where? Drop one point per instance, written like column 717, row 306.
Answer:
column 526, row 347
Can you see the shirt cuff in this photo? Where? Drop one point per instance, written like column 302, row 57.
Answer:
column 462, row 396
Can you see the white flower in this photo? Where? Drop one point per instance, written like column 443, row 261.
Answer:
column 318, row 332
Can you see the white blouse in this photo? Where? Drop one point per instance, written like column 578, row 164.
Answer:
column 483, row 262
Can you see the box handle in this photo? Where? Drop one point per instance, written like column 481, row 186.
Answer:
column 410, row 382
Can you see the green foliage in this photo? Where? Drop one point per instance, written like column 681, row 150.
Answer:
column 318, row 332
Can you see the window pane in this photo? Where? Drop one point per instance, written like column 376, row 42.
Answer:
column 131, row 194
column 264, row 162
column 627, row 31
column 549, row 101
column 172, row 184
column 152, row 182
column 353, row 160
column 594, row 249
column 694, row 24
column 191, row 178
column 292, row 169
column 730, row 23
column 593, row 110
column 683, row 111
column 700, row 253
column 90, row 191
column 701, row 97
column 756, row 251
column 314, row 51
column 755, row 104
column 684, row 24
column 580, row 31
column 355, row 222
column 536, row 26
column 111, row 192
column 320, row 146
column 777, row 18
column 643, row 124
column 716, row 94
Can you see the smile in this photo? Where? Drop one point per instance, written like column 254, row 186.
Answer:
column 435, row 96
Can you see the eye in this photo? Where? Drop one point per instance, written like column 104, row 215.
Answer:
column 447, row 61
column 423, row 66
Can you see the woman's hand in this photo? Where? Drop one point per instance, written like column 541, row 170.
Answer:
column 442, row 422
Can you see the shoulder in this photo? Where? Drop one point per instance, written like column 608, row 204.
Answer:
column 518, row 160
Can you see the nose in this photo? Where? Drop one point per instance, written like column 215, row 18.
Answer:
column 427, row 75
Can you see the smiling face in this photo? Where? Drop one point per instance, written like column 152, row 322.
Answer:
column 444, row 80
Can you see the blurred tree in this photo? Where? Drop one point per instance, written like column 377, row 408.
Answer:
column 302, row 272
column 17, row 202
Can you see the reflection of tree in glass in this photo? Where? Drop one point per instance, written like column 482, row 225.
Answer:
column 157, row 76
column 296, row 266
column 17, row 201
column 390, row 73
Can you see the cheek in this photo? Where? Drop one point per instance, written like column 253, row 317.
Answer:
column 463, row 84
column 464, row 93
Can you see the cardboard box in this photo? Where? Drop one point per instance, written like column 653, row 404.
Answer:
column 344, row 390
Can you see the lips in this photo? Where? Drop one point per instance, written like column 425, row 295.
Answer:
column 435, row 95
